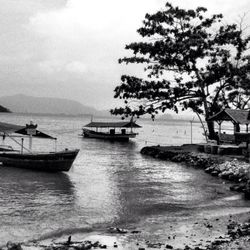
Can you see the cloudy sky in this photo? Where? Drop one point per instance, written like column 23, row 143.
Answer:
column 70, row 48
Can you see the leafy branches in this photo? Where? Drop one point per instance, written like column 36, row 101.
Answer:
column 191, row 61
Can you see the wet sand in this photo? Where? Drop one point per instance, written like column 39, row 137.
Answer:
column 209, row 232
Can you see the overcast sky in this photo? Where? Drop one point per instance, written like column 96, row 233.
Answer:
column 70, row 48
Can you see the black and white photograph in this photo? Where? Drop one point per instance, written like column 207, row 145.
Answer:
column 124, row 124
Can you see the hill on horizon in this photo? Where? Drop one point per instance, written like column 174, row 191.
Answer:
column 46, row 105
column 4, row 110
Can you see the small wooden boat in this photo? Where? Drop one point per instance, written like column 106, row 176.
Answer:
column 111, row 134
column 26, row 158
column 49, row 162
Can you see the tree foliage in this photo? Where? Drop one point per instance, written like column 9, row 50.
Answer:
column 191, row 60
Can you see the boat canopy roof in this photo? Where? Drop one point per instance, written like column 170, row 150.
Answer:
column 8, row 128
column 38, row 133
column 125, row 124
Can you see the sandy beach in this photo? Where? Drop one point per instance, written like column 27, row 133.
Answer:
column 211, row 232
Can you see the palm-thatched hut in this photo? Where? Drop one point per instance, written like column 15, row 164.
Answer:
column 240, row 120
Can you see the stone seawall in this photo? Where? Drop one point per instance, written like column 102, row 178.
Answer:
column 225, row 167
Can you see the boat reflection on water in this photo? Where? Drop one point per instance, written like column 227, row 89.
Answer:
column 33, row 203
column 25, row 182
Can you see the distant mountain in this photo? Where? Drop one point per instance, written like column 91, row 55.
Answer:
column 166, row 117
column 3, row 109
column 45, row 105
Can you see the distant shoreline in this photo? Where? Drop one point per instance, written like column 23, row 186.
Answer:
column 97, row 116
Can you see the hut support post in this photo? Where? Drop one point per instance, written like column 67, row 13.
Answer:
column 236, row 127
column 22, row 145
column 219, row 123
column 30, row 142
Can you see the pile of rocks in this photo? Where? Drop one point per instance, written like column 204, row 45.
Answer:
column 236, row 171
column 237, row 230
column 181, row 154
column 230, row 170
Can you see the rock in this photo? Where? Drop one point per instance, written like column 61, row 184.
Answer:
column 169, row 246
column 96, row 244
column 103, row 246
column 247, row 190
column 86, row 246
column 13, row 246
column 209, row 170
column 208, row 225
column 215, row 173
column 117, row 230
column 238, row 187
column 154, row 245
column 69, row 240
column 135, row 232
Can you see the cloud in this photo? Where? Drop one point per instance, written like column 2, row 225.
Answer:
column 47, row 44
column 76, row 67
column 57, row 66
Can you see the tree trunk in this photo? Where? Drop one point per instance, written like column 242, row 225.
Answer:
column 211, row 133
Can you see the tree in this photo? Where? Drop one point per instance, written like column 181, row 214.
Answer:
column 191, row 61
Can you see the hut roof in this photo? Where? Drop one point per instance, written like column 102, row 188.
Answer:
column 234, row 115
column 125, row 124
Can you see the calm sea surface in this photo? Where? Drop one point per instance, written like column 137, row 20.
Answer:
column 110, row 184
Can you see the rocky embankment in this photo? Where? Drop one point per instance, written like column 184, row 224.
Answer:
column 225, row 167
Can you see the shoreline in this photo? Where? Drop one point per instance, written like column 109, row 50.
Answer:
column 229, row 167
column 232, row 168
column 225, row 232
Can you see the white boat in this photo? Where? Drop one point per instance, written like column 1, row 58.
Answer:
column 114, row 131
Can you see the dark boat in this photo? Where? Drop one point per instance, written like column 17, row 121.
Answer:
column 26, row 158
column 124, row 133
column 49, row 162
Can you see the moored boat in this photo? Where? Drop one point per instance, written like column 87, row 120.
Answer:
column 114, row 131
column 49, row 162
column 25, row 158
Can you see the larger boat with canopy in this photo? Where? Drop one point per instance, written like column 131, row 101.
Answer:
column 25, row 157
column 113, row 131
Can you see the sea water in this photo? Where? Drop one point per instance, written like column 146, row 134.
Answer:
column 110, row 185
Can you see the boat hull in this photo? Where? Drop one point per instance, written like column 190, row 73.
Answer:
column 48, row 162
column 106, row 136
